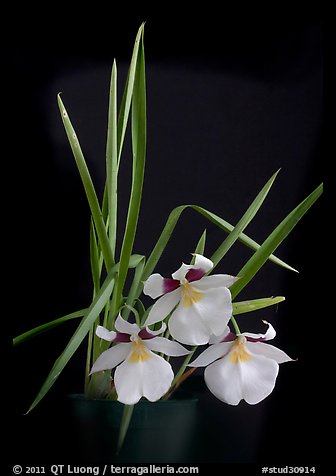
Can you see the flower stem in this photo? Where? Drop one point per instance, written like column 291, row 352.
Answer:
column 180, row 373
column 235, row 325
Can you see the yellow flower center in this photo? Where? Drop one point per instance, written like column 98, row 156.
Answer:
column 189, row 295
column 239, row 353
column 139, row 352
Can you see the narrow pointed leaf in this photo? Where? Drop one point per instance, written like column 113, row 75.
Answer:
column 47, row 326
column 128, row 92
column 171, row 224
column 79, row 335
column 243, row 222
column 260, row 257
column 247, row 306
column 134, row 287
column 112, row 159
column 88, row 186
column 200, row 247
column 139, row 155
column 124, row 424
column 94, row 259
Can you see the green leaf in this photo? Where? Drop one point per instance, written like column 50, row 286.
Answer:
column 243, row 222
column 128, row 92
column 260, row 257
column 201, row 244
column 94, row 259
column 112, row 160
column 90, row 316
column 47, row 326
column 124, row 424
column 247, row 306
column 138, row 169
column 88, row 187
column 134, row 287
column 170, row 226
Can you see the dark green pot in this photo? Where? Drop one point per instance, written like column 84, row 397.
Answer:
column 159, row 432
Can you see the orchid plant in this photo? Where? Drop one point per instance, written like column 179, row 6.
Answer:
column 193, row 308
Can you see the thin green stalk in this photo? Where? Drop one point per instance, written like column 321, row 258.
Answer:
column 235, row 325
column 180, row 372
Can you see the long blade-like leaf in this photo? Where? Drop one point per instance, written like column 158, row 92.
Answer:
column 243, row 222
column 124, row 424
column 128, row 92
column 47, row 326
column 171, row 224
column 134, row 287
column 88, row 187
column 112, row 159
column 90, row 316
column 201, row 244
column 139, row 155
column 94, row 259
column 253, row 305
column 260, row 257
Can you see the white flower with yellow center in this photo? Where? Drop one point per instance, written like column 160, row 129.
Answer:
column 241, row 369
column 139, row 371
column 203, row 303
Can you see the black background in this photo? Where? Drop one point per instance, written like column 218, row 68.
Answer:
column 232, row 97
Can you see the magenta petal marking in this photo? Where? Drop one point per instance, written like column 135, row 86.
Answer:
column 122, row 337
column 144, row 334
column 256, row 339
column 170, row 285
column 195, row 274
column 229, row 337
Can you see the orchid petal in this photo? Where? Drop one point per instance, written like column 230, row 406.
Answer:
column 188, row 328
column 153, row 286
column 225, row 337
column 126, row 327
column 163, row 306
column 128, row 382
column 150, row 378
column 212, row 353
column 103, row 333
column 231, row 382
column 201, row 262
column 182, row 271
column 258, row 377
column 269, row 351
column 168, row 347
column 111, row 357
column 157, row 377
column 216, row 281
column 148, row 333
column 215, row 309
column 193, row 325
column 270, row 334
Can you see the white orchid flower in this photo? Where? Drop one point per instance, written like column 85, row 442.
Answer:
column 203, row 303
column 139, row 372
column 242, row 367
